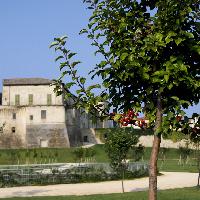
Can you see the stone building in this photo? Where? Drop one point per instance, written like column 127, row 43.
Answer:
column 33, row 116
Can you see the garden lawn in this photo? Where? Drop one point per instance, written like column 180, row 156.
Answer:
column 63, row 155
column 172, row 194
column 45, row 155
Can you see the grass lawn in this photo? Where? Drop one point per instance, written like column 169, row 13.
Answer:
column 62, row 155
column 174, row 194
column 46, row 155
column 171, row 165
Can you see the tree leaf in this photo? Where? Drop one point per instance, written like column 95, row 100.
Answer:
column 75, row 63
column 83, row 31
column 71, row 55
column 123, row 56
column 178, row 41
column 189, row 35
column 58, row 58
column 175, row 98
column 53, row 44
column 70, row 84
column 82, row 80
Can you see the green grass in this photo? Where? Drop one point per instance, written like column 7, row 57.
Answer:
column 171, row 165
column 62, row 155
column 44, row 155
column 174, row 194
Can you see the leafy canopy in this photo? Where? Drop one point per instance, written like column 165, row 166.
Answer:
column 148, row 55
column 151, row 50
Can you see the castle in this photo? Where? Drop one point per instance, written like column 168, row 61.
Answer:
column 33, row 116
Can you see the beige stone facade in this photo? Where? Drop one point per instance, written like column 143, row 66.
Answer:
column 32, row 113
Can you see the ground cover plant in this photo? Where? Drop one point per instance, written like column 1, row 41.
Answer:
column 20, row 175
column 173, row 194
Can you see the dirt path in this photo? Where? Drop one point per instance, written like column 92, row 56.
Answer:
column 167, row 181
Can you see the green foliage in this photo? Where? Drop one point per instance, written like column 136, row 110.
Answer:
column 31, row 175
column 79, row 153
column 184, row 152
column 138, row 152
column 148, row 56
column 85, row 94
column 63, row 155
column 118, row 143
column 83, row 153
column 102, row 133
column 176, row 136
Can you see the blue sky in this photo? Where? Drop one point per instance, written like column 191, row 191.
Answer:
column 27, row 29
column 29, row 26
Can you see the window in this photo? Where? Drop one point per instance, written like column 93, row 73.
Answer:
column 85, row 138
column 13, row 129
column 49, row 99
column 14, row 116
column 31, row 117
column 30, row 99
column 43, row 114
column 17, row 100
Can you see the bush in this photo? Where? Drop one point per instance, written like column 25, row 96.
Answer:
column 74, row 175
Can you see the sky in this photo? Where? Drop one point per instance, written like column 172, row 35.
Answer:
column 27, row 28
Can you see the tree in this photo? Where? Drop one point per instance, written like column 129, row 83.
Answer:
column 79, row 154
column 118, row 143
column 151, row 57
column 194, row 133
column 184, row 153
column 138, row 152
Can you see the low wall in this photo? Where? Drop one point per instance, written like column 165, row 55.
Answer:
column 95, row 136
column 147, row 141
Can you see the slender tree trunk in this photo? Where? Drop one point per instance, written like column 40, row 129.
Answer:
column 123, row 181
column 154, row 154
column 153, row 168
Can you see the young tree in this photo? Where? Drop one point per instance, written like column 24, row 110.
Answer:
column 79, row 154
column 118, row 143
column 138, row 152
column 152, row 54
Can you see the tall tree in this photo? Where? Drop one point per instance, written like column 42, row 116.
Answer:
column 151, row 57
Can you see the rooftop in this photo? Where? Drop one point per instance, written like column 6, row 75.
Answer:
column 26, row 81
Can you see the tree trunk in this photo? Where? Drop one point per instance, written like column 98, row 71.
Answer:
column 153, row 168
column 154, row 154
column 123, row 181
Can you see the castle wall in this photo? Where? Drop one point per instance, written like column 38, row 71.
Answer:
column 40, row 131
column 13, row 127
column 31, row 128
column 39, row 93
column 35, row 117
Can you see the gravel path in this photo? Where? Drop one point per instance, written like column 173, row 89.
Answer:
column 167, row 181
